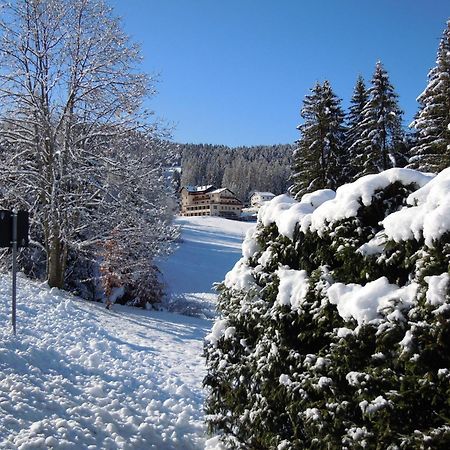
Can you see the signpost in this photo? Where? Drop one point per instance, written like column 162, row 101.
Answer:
column 14, row 227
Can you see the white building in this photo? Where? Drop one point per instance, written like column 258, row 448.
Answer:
column 258, row 198
column 209, row 201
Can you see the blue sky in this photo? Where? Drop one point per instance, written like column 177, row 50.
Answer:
column 235, row 72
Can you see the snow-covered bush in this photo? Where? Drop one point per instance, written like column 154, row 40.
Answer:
column 334, row 327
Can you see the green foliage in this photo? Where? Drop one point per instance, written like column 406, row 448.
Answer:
column 379, row 141
column 318, row 160
column 300, row 375
column 432, row 152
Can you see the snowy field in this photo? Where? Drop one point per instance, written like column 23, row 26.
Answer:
column 208, row 248
column 80, row 377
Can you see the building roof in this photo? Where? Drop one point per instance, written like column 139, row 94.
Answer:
column 198, row 189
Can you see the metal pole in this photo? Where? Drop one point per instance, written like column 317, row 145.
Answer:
column 14, row 270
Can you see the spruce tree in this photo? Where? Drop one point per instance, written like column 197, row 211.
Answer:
column 432, row 152
column 354, row 121
column 317, row 161
column 380, row 145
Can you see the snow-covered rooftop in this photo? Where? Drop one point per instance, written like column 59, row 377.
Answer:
column 218, row 191
column 197, row 189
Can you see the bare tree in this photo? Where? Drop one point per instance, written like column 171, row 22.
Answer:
column 71, row 97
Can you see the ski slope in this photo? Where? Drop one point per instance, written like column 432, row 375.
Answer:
column 207, row 249
column 78, row 376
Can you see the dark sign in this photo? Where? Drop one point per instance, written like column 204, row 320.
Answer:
column 23, row 225
column 6, row 228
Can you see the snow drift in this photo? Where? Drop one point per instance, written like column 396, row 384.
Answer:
column 80, row 377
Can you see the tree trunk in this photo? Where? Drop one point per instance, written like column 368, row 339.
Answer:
column 56, row 263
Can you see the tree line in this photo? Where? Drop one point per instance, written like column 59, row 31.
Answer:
column 333, row 328
column 336, row 148
column 241, row 169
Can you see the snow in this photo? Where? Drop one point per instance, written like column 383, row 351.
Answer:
column 316, row 198
column 293, row 287
column 357, row 433
column 437, row 289
column 407, row 340
column 264, row 194
column 217, row 332
column 343, row 332
column 208, row 248
column 312, row 414
column 324, row 382
column 426, row 214
column 214, row 444
column 429, row 217
column 316, row 211
column 350, row 197
column 375, row 246
column 370, row 408
column 241, row 277
column 250, row 245
column 356, row 378
column 365, row 303
column 79, row 376
column 218, row 191
column 286, row 212
column 285, row 380
column 194, row 189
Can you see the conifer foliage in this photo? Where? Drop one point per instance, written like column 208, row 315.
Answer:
column 380, row 144
column 432, row 152
column 334, row 327
column 354, row 119
column 317, row 160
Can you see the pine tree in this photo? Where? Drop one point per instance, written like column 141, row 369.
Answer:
column 380, row 145
column 354, row 121
column 334, row 332
column 432, row 152
column 317, row 160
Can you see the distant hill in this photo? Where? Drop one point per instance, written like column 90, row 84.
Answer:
column 241, row 169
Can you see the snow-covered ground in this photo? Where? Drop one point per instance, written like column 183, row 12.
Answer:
column 208, row 248
column 78, row 376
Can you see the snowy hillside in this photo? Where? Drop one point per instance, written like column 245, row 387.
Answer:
column 208, row 248
column 78, row 376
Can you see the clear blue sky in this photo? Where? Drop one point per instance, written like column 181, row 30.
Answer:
column 235, row 72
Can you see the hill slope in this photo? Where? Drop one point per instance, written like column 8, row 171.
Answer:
column 208, row 248
column 80, row 376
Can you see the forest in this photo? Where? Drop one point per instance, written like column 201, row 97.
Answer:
column 242, row 169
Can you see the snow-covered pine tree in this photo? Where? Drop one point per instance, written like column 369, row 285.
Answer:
column 380, row 144
column 432, row 150
column 354, row 119
column 334, row 327
column 317, row 161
